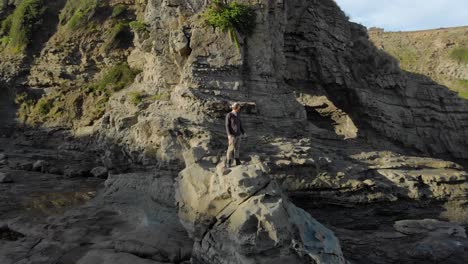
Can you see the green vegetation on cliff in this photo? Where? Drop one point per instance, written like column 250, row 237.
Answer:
column 79, row 38
column 160, row 97
column 5, row 25
column 233, row 18
column 69, row 105
column 115, row 79
column 140, row 28
column 17, row 28
column 118, row 10
column 119, row 35
column 138, row 25
column 136, row 97
column 77, row 12
column 441, row 54
column 460, row 55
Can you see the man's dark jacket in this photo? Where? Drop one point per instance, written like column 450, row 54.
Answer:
column 234, row 124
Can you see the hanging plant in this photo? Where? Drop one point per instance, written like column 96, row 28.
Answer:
column 233, row 17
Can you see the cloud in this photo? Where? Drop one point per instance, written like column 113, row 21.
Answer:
column 407, row 15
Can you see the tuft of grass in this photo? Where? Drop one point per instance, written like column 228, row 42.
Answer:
column 140, row 28
column 101, row 105
column 461, row 86
column 6, row 25
column 21, row 23
column 21, row 98
column 118, row 10
column 160, row 97
column 136, row 97
column 137, row 25
column 4, row 41
column 76, row 13
column 31, row 109
column 26, row 105
column 43, row 106
column 115, row 79
column 408, row 57
column 233, row 17
column 460, row 55
column 463, row 94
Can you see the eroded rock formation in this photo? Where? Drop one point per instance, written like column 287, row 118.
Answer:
column 242, row 216
column 330, row 120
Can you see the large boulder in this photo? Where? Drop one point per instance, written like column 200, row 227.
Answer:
column 241, row 216
column 430, row 226
column 438, row 240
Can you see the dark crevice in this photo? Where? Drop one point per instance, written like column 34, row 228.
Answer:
column 9, row 235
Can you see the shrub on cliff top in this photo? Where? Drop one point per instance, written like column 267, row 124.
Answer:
column 233, row 18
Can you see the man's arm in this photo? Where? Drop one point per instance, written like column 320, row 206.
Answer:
column 228, row 125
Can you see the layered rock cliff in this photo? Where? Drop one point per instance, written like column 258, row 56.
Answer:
column 331, row 121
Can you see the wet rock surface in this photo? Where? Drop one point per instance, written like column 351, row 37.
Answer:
column 47, row 218
column 398, row 232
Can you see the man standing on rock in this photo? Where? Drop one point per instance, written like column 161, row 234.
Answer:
column 234, row 131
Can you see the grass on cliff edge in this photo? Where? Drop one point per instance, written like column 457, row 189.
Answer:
column 233, row 18
column 461, row 86
column 460, row 55
column 16, row 29
column 77, row 12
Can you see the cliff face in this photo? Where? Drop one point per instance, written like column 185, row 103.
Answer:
column 307, row 79
column 331, row 120
column 363, row 81
column 435, row 53
column 316, row 56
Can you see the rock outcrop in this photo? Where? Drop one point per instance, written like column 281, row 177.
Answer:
column 327, row 54
column 331, row 120
column 241, row 216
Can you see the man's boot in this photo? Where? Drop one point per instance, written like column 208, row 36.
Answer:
column 238, row 162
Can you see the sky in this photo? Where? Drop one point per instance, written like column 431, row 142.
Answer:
column 406, row 15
